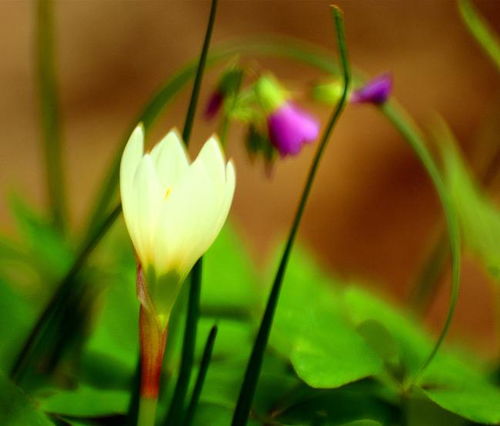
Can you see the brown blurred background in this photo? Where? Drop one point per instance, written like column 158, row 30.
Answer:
column 372, row 213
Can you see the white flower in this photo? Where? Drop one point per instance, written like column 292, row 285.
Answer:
column 173, row 209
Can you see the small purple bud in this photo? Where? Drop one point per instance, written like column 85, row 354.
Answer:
column 375, row 91
column 290, row 128
column 214, row 105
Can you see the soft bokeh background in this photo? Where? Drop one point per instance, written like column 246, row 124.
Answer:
column 373, row 212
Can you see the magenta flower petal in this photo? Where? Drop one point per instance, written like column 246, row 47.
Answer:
column 376, row 91
column 214, row 104
column 290, row 128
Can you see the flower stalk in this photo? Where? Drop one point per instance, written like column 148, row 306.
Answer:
column 152, row 342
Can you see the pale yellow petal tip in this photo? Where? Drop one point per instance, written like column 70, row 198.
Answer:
column 136, row 139
column 173, row 138
column 138, row 133
column 214, row 139
column 230, row 170
column 174, row 131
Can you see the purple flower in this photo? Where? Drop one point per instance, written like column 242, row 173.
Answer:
column 290, row 128
column 214, row 104
column 376, row 91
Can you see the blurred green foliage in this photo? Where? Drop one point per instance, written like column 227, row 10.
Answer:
column 338, row 354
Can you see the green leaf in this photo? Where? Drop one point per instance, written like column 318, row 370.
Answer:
column 114, row 341
column 228, row 278
column 421, row 411
column 412, row 343
column 116, row 333
column 222, row 383
column 86, row 402
column 310, row 329
column 103, row 371
column 456, row 387
column 16, row 409
column 449, row 381
column 380, row 340
column 329, row 353
column 47, row 247
column 352, row 403
column 16, row 316
column 213, row 414
column 234, row 338
column 479, row 217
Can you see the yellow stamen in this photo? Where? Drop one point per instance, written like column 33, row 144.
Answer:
column 168, row 191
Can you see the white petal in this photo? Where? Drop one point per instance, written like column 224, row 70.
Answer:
column 131, row 158
column 149, row 194
column 186, row 217
column 170, row 159
column 212, row 157
column 132, row 155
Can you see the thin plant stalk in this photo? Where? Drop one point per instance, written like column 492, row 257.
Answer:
column 480, row 30
column 408, row 129
column 430, row 276
column 200, row 380
column 152, row 343
column 49, row 112
column 254, row 364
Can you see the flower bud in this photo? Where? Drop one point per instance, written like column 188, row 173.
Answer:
column 228, row 84
column 375, row 91
column 270, row 94
column 173, row 210
column 328, row 93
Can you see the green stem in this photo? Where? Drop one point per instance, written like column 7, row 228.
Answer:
column 200, row 380
column 429, row 279
column 134, row 401
column 254, row 364
column 195, row 94
column 410, row 132
column 176, row 408
column 147, row 411
column 480, row 30
column 49, row 111
column 430, row 275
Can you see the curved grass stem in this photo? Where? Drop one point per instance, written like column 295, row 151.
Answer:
column 410, row 132
column 480, row 30
column 254, row 364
